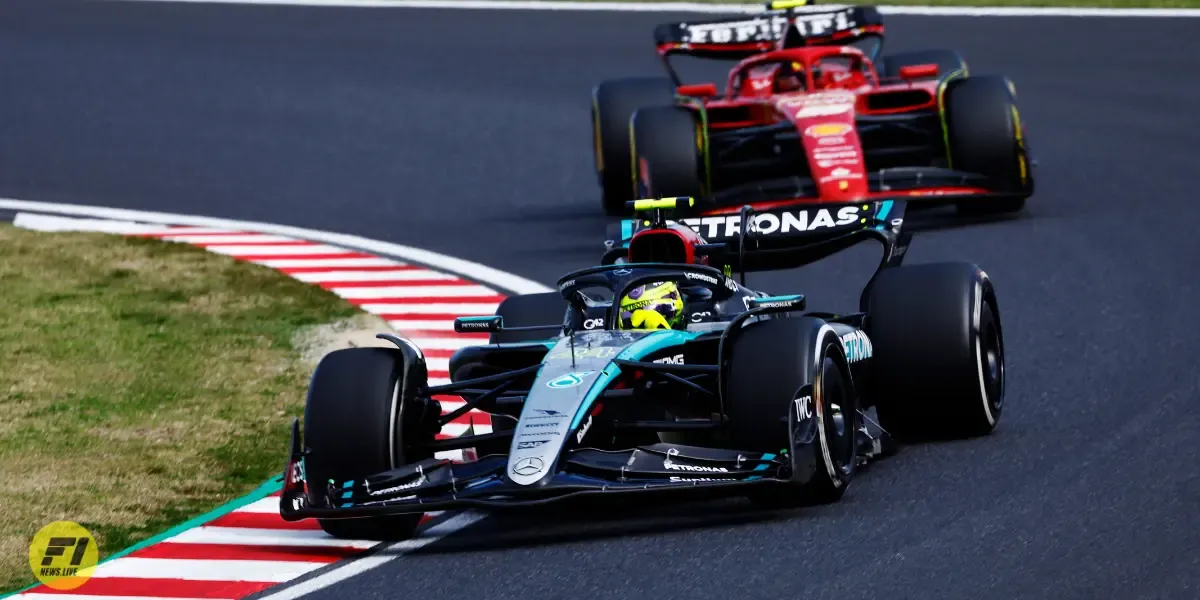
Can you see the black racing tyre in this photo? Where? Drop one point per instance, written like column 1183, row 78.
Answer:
column 774, row 363
column 668, row 153
column 613, row 104
column 948, row 61
column 356, row 420
column 985, row 137
column 937, row 370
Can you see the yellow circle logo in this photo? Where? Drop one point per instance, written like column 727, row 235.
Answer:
column 63, row 555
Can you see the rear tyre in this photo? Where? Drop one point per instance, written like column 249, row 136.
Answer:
column 360, row 419
column 773, row 363
column 948, row 61
column 985, row 136
column 613, row 104
column 668, row 150
column 938, row 363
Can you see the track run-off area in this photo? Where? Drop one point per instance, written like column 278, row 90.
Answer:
column 467, row 133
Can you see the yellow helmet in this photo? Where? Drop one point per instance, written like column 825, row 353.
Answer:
column 657, row 305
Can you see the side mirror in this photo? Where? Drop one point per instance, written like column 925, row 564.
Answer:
column 912, row 72
column 783, row 303
column 697, row 90
column 478, row 324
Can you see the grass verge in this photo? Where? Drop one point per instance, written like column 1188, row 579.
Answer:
column 985, row 3
column 143, row 383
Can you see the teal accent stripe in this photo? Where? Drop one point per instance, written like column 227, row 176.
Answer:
column 652, row 342
column 626, row 230
column 271, row 486
column 778, row 299
column 761, row 467
column 885, row 207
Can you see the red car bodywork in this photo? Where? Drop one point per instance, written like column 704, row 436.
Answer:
column 824, row 113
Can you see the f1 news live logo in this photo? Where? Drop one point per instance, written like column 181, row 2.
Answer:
column 63, row 555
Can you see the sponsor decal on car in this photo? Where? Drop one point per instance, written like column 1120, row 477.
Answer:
column 841, row 173
column 583, row 430
column 593, row 323
column 857, row 346
column 569, row 380
column 670, row 360
column 825, row 164
column 531, row 444
column 768, row 28
column 823, row 110
column 803, row 408
column 529, row 465
column 728, row 226
column 674, row 466
column 600, row 352
column 398, row 488
column 835, row 152
column 827, row 130
column 702, row 277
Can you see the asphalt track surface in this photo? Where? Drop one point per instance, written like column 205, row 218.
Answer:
column 467, row 132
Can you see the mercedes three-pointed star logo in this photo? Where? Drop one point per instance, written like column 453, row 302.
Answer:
column 528, row 466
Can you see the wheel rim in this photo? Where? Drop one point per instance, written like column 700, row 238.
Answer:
column 838, row 416
column 992, row 358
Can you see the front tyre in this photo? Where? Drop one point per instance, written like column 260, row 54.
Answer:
column 983, row 128
column 613, row 105
column 668, row 153
column 775, row 365
column 360, row 419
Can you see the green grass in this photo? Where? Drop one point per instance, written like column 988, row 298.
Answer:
column 1073, row 3
column 143, row 383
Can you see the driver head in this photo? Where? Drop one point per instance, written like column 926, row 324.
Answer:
column 652, row 306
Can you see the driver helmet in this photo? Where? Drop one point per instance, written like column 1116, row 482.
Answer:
column 789, row 77
column 656, row 305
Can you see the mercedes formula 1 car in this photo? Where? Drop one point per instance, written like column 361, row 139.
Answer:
column 718, row 390
column 811, row 114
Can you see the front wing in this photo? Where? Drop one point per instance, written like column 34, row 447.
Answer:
column 658, row 469
column 435, row 484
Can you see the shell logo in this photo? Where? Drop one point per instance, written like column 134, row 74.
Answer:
column 827, row 130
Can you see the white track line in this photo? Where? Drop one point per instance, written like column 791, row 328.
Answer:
column 275, row 571
column 486, row 308
column 413, row 291
column 233, row 238
column 246, row 536
column 348, row 276
column 266, row 251
column 385, row 554
column 696, row 7
column 336, row 263
column 471, row 270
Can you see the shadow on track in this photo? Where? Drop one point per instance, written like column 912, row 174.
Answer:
column 594, row 520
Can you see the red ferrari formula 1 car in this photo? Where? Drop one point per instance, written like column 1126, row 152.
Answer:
column 810, row 116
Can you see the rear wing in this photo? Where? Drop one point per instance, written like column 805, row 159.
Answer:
column 738, row 38
column 781, row 237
